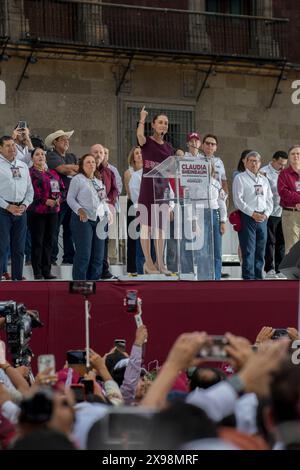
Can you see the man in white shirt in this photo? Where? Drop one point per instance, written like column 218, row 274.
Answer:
column 253, row 197
column 16, row 194
column 275, row 248
column 209, row 148
column 24, row 146
column 21, row 136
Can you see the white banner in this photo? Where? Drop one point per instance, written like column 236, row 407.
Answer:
column 195, row 176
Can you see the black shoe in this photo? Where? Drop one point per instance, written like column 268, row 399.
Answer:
column 50, row 276
column 38, row 277
column 108, row 275
column 225, row 275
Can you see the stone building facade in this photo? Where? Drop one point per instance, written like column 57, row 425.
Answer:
column 79, row 92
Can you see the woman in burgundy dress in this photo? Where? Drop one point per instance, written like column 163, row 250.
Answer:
column 154, row 151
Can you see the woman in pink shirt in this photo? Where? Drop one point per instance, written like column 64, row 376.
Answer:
column 42, row 214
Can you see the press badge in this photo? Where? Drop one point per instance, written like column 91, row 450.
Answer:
column 101, row 193
column 15, row 171
column 297, row 186
column 259, row 191
column 54, row 185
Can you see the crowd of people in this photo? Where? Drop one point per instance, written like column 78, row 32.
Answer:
column 249, row 400
column 45, row 189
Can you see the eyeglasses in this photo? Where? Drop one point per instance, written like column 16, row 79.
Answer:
column 210, row 143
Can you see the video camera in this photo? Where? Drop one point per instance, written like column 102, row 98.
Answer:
column 18, row 325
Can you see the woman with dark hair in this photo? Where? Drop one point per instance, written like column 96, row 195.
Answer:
column 86, row 197
column 240, row 169
column 42, row 214
column 154, row 151
column 135, row 162
column 241, row 164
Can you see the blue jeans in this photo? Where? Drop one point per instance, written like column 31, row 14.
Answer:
column 28, row 246
column 217, row 245
column 6, row 257
column 64, row 217
column 207, row 259
column 253, row 239
column 12, row 233
column 89, row 250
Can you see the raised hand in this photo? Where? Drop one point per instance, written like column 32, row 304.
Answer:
column 143, row 114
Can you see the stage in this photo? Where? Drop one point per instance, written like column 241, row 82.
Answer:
column 169, row 308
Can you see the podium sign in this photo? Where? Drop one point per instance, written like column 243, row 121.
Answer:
column 195, row 175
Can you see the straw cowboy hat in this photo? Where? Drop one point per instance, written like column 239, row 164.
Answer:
column 55, row 135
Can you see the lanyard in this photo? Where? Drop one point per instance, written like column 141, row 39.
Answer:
column 256, row 179
column 99, row 190
column 12, row 165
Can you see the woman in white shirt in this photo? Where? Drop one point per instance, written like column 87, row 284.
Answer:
column 135, row 162
column 86, row 197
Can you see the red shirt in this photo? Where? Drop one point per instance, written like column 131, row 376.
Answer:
column 172, row 182
column 289, row 187
column 109, row 181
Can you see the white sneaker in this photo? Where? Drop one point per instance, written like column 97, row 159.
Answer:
column 281, row 276
column 271, row 274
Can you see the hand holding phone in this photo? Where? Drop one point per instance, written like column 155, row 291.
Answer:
column 88, row 386
column 131, row 301
column 79, row 392
column 280, row 333
column 214, row 349
column 76, row 357
column 46, row 364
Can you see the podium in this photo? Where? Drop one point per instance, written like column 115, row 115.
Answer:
column 181, row 209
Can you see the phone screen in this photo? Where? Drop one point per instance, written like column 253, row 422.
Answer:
column 131, row 301
column 215, row 349
column 76, row 357
column 280, row 333
column 46, row 362
column 22, row 125
column 79, row 392
column 88, row 386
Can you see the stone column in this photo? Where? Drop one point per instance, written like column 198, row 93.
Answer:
column 199, row 40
